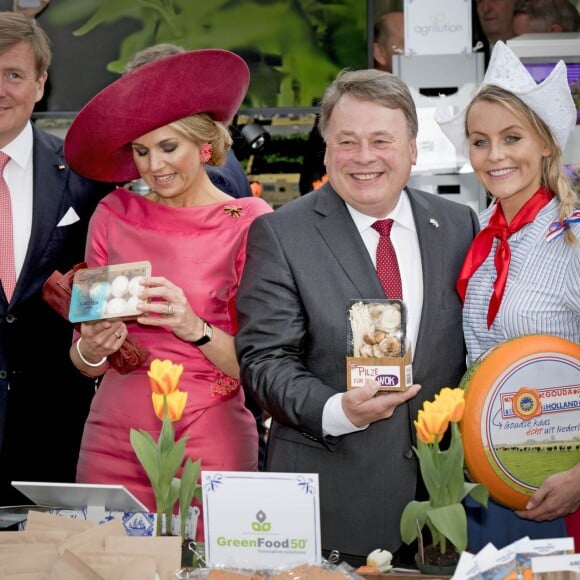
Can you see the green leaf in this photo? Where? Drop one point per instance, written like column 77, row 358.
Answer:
column 106, row 11
column 67, row 12
column 165, row 13
column 146, row 450
column 188, row 488
column 451, row 522
column 174, row 458
column 189, row 482
column 429, row 473
column 173, row 493
column 132, row 44
column 478, row 492
column 413, row 519
column 453, row 477
column 166, row 437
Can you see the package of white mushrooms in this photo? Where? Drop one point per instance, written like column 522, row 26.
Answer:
column 107, row 292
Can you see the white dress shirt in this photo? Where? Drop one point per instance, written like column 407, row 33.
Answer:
column 406, row 244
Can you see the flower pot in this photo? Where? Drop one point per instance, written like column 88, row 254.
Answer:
column 437, row 563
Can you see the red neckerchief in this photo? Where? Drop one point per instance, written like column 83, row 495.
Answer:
column 481, row 246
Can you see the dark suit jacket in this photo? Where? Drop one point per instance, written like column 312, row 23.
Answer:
column 305, row 262
column 230, row 177
column 42, row 415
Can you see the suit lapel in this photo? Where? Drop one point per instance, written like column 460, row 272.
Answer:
column 431, row 245
column 339, row 232
column 49, row 176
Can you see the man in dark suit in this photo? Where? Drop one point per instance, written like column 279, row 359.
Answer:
column 305, row 262
column 43, row 399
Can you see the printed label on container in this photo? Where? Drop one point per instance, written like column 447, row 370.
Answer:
column 107, row 292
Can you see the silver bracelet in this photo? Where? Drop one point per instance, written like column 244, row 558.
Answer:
column 85, row 361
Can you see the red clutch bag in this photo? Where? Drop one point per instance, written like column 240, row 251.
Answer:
column 56, row 292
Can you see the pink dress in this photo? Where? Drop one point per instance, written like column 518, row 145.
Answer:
column 202, row 250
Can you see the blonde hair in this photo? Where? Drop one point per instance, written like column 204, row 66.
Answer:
column 201, row 128
column 553, row 176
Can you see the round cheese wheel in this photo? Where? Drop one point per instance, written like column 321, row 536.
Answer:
column 522, row 415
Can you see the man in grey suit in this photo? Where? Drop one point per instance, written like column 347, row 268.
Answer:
column 305, row 262
column 43, row 399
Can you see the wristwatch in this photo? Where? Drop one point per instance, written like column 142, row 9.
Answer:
column 206, row 336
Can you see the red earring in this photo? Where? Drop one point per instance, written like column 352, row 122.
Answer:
column 205, row 152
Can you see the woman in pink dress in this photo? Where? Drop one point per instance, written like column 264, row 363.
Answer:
column 163, row 122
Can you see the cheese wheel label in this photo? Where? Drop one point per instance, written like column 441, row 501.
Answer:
column 527, row 404
column 522, row 416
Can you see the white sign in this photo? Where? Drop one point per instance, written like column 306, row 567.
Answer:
column 437, row 27
column 261, row 520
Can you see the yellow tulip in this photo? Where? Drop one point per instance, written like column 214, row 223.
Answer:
column 164, row 376
column 455, row 400
column 422, row 433
column 163, row 458
column 175, row 404
column 431, row 425
column 437, row 417
column 439, row 407
column 443, row 475
column 157, row 400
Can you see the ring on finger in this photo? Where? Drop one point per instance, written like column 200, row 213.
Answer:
column 170, row 309
column 118, row 335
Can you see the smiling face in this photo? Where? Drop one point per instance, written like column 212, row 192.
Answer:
column 20, row 89
column 506, row 153
column 369, row 155
column 170, row 165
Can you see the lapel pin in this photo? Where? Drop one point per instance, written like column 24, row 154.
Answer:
column 434, row 223
column 61, row 166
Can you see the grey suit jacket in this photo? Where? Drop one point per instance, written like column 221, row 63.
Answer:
column 305, row 262
column 42, row 415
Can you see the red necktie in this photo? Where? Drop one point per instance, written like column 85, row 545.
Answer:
column 481, row 246
column 7, row 266
column 387, row 265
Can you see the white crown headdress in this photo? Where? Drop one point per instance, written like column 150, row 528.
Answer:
column 551, row 99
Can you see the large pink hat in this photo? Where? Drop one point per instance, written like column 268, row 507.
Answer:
column 98, row 142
